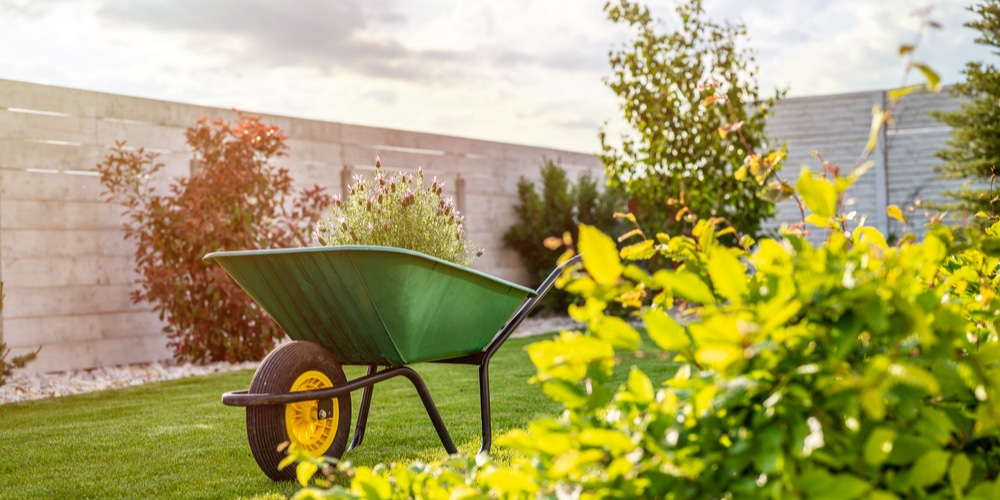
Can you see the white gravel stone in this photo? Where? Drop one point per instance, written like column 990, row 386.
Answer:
column 24, row 386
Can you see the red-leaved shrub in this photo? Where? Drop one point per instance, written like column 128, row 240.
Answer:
column 235, row 200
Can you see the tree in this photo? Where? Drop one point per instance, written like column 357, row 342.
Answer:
column 236, row 200
column 559, row 208
column 974, row 148
column 678, row 149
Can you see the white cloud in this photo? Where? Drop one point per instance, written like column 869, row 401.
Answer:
column 520, row 71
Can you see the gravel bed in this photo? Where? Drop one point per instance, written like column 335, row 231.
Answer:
column 24, row 386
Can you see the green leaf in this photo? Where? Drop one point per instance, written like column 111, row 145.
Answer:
column 591, row 310
column 818, row 220
column 776, row 314
column 616, row 332
column 819, row 484
column 815, row 482
column 561, row 391
column 905, row 49
column 873, row 402
column 894, row 212
column 960, row 471
column 288, row 460
column 929, row 468
column 728, row 275
column 937, row 425
column 933, row 80
column 914, row 376
column 874, row 236
column 847, row 487
column 907, row 448
column 818, row 194
column 704, row 231
column 613, row 441
column 571, row 461
column 639, row 251
column 305, row 471
column 878, row 116
column 902, row 92
column 991, row 246
column 740, row 174
column 667, row 333
column 989, row 353
column 600, row 255
column 367, row 483
column 640, row 386
column 879, row 445
column 640, row 276
column 985, row 491
column 508, row 480
column 719, row 356
column 687, row 285
column 882, row 495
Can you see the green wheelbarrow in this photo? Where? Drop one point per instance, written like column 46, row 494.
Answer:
column 379, row 307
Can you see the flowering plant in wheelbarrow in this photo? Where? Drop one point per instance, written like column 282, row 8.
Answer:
column 398, row 210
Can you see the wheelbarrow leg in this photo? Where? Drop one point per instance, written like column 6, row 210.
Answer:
column 432, row 412
column 425, row 397
column 485, row 415
column 366, row 403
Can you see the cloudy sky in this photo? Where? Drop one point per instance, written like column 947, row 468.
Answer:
column 523, row 71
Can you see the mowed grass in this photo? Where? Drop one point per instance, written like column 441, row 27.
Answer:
column 175, row 439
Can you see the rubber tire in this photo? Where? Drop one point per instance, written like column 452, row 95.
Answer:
column 266, row 424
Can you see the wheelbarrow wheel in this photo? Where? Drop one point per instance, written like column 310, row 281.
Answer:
column 297, row 366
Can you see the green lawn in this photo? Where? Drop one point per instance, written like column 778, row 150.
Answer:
column 175, row 439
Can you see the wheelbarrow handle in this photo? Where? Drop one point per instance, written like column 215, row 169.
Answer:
column 529, row 305
column 486, row 418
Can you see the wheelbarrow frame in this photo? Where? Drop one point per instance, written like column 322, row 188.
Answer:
column 378, row 373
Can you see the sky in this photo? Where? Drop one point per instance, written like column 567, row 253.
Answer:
column 521, row 71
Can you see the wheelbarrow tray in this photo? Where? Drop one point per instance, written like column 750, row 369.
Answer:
column 376, row 305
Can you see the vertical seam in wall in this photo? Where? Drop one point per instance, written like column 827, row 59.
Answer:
column 881, row 158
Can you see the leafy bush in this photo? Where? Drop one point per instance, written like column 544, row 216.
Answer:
column 851, row 369
column 397, row 210
column 558, row 210
column 235, row 201
column 7, row 367
column 848, row 369
column 671, row 150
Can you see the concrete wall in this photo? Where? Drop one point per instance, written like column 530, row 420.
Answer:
column 66, row 270
column 68, row 273
column 837, row 126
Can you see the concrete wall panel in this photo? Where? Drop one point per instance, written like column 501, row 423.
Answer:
column 68, row 272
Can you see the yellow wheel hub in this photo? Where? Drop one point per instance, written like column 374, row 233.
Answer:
column 305, row 429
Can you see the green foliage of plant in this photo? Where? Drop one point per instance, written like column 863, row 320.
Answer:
column 556, row 211
column 237, row 200
column 974, row 148
column 851, row 369
column 7, row 367
column 676, row 151
column 454, row 477
column 840, row 370
column 397, row 210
